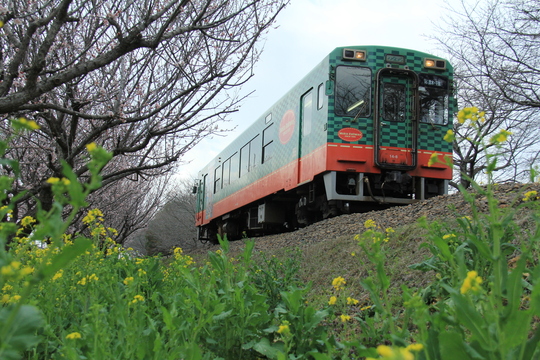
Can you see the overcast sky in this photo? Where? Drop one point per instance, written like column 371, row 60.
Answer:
column 307, row 30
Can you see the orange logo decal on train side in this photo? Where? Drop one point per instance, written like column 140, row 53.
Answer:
column 286, row 127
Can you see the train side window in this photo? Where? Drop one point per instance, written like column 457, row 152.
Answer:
column 244, row 160
column 235, row 167
column 255, row 152
column 268, row 118
column 320, row 96
column 307, row 112
column 217, row 179
column 226, row 178
column 353, row 91
column 268, row 144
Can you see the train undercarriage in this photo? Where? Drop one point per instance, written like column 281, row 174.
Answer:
column 328, row 195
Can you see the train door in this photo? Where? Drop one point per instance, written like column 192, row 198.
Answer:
column 306, row 118
column 396, row 119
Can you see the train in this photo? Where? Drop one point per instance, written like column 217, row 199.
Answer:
column 357, row 131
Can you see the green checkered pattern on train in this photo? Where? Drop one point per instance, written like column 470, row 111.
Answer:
column 431, row 138
column 428, row 138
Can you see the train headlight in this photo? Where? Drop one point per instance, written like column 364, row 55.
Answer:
column 358, row 55
column 435, row 64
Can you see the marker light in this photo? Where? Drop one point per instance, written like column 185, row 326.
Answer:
column 435, row 64
column 359, row 55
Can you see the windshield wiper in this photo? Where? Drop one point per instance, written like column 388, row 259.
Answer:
column 355, row 105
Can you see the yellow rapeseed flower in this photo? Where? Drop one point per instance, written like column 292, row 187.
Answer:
column 449, row 137
column 53, row 180
column 345, row 318
column 11, row 269
column 58, row 275
column 389, row 353
column 29, row 124
column 530, row 195
column 352, row 301
column 7, row 271
column 332, row 300
column 461, row 116
column 93, row 215
column 470, row 113
column 433, row 159
column 500, row 137
column 385, row 351
column 73, row 336
column 27, row 220
column 27, row 270
column 471, row 283
column 128, row 280
column 91, row 147
column 370, row 224
column 137, row 298
column 338, row 283
column 284, row 329
column 98, row 230
column 415, row 347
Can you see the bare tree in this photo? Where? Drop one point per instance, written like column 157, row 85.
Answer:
column 144, row 79
column 174, row 225
column 130, row 204
column 493, row 45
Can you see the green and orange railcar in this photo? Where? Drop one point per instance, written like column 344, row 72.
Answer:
column 358, row 130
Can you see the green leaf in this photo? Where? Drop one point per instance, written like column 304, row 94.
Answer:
column 75, row 189
column 224, row 243
column 516, row 330
column 316, row 319
column 319, row 356
column 452, row 346
column 248, row 251
column 470, row 318
column 223, row 315
column 531, row 346
column 21, row 330
column 167, row 318
column 514, row 288
column 443, row 247
column 267, row 349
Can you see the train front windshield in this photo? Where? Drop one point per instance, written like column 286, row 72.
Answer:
column 433, row 92
column 353, row 91
column 353, row 95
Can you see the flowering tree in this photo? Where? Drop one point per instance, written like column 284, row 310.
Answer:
column 144, row 79
column 494, row 49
